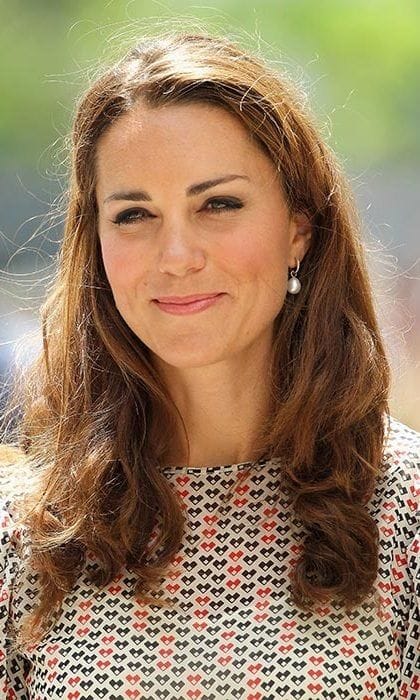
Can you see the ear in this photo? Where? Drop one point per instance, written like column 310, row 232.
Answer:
column 300, row 237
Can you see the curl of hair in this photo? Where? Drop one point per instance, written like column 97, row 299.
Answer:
column 94, row 406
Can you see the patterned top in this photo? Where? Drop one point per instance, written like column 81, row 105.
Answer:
column 232, row 631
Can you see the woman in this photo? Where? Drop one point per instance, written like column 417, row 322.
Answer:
column 217, row 503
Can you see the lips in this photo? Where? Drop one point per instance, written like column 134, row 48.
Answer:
column 187, row 299
column 200, row 303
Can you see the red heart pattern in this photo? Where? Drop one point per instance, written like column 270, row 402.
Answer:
column 232, row 632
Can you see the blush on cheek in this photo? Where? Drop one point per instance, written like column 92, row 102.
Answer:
column 115, row 264
column 244, row 257
column 254, row 257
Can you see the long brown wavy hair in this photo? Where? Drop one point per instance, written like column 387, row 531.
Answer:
column 93, row 405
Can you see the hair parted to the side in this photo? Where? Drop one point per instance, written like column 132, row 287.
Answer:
column 94, row 406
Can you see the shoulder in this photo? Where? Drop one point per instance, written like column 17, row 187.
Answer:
column 17, row 581
column 395, row 501
column 9, row 453
column 14, row 481
column 401, row 441
column 15, row 472
column 401, row 452
column 11, row 545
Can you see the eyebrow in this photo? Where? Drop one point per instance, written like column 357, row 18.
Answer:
column 139, row 195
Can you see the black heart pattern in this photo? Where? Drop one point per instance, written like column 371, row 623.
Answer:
column 233, row 631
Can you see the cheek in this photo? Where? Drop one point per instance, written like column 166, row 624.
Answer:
column 119, row 265
column 257, row 255
column 109, row 258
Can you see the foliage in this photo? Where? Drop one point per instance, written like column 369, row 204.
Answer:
column 360, row 61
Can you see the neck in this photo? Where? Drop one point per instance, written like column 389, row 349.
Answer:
column 223, row 407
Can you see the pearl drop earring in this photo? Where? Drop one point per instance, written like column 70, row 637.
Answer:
column 293, row 284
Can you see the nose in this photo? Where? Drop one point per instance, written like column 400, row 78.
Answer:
column 180, row 250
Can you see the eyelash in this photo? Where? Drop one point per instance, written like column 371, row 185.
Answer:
column 132, row 215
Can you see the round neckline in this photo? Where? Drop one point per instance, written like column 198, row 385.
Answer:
column 239, row 466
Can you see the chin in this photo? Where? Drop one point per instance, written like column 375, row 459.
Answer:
column 186, row 359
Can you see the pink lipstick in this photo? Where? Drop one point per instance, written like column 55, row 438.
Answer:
column 187, row 305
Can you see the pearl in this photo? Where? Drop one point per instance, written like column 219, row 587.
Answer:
column 293, row 285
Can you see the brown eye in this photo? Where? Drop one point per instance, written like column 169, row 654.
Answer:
column 132, row 216
column 220, row 204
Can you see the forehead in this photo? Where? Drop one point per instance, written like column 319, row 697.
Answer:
column 175, row 119
column 189, row 134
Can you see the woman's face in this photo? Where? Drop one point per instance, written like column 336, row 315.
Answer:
column 190, row 205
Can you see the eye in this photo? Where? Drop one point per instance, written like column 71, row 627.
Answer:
column 220, row 204
column 129, row 216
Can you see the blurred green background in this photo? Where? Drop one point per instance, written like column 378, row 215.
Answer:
column 359, row 63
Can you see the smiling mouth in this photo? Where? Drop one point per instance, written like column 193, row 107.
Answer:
column 198, row 304
column 186, row 299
